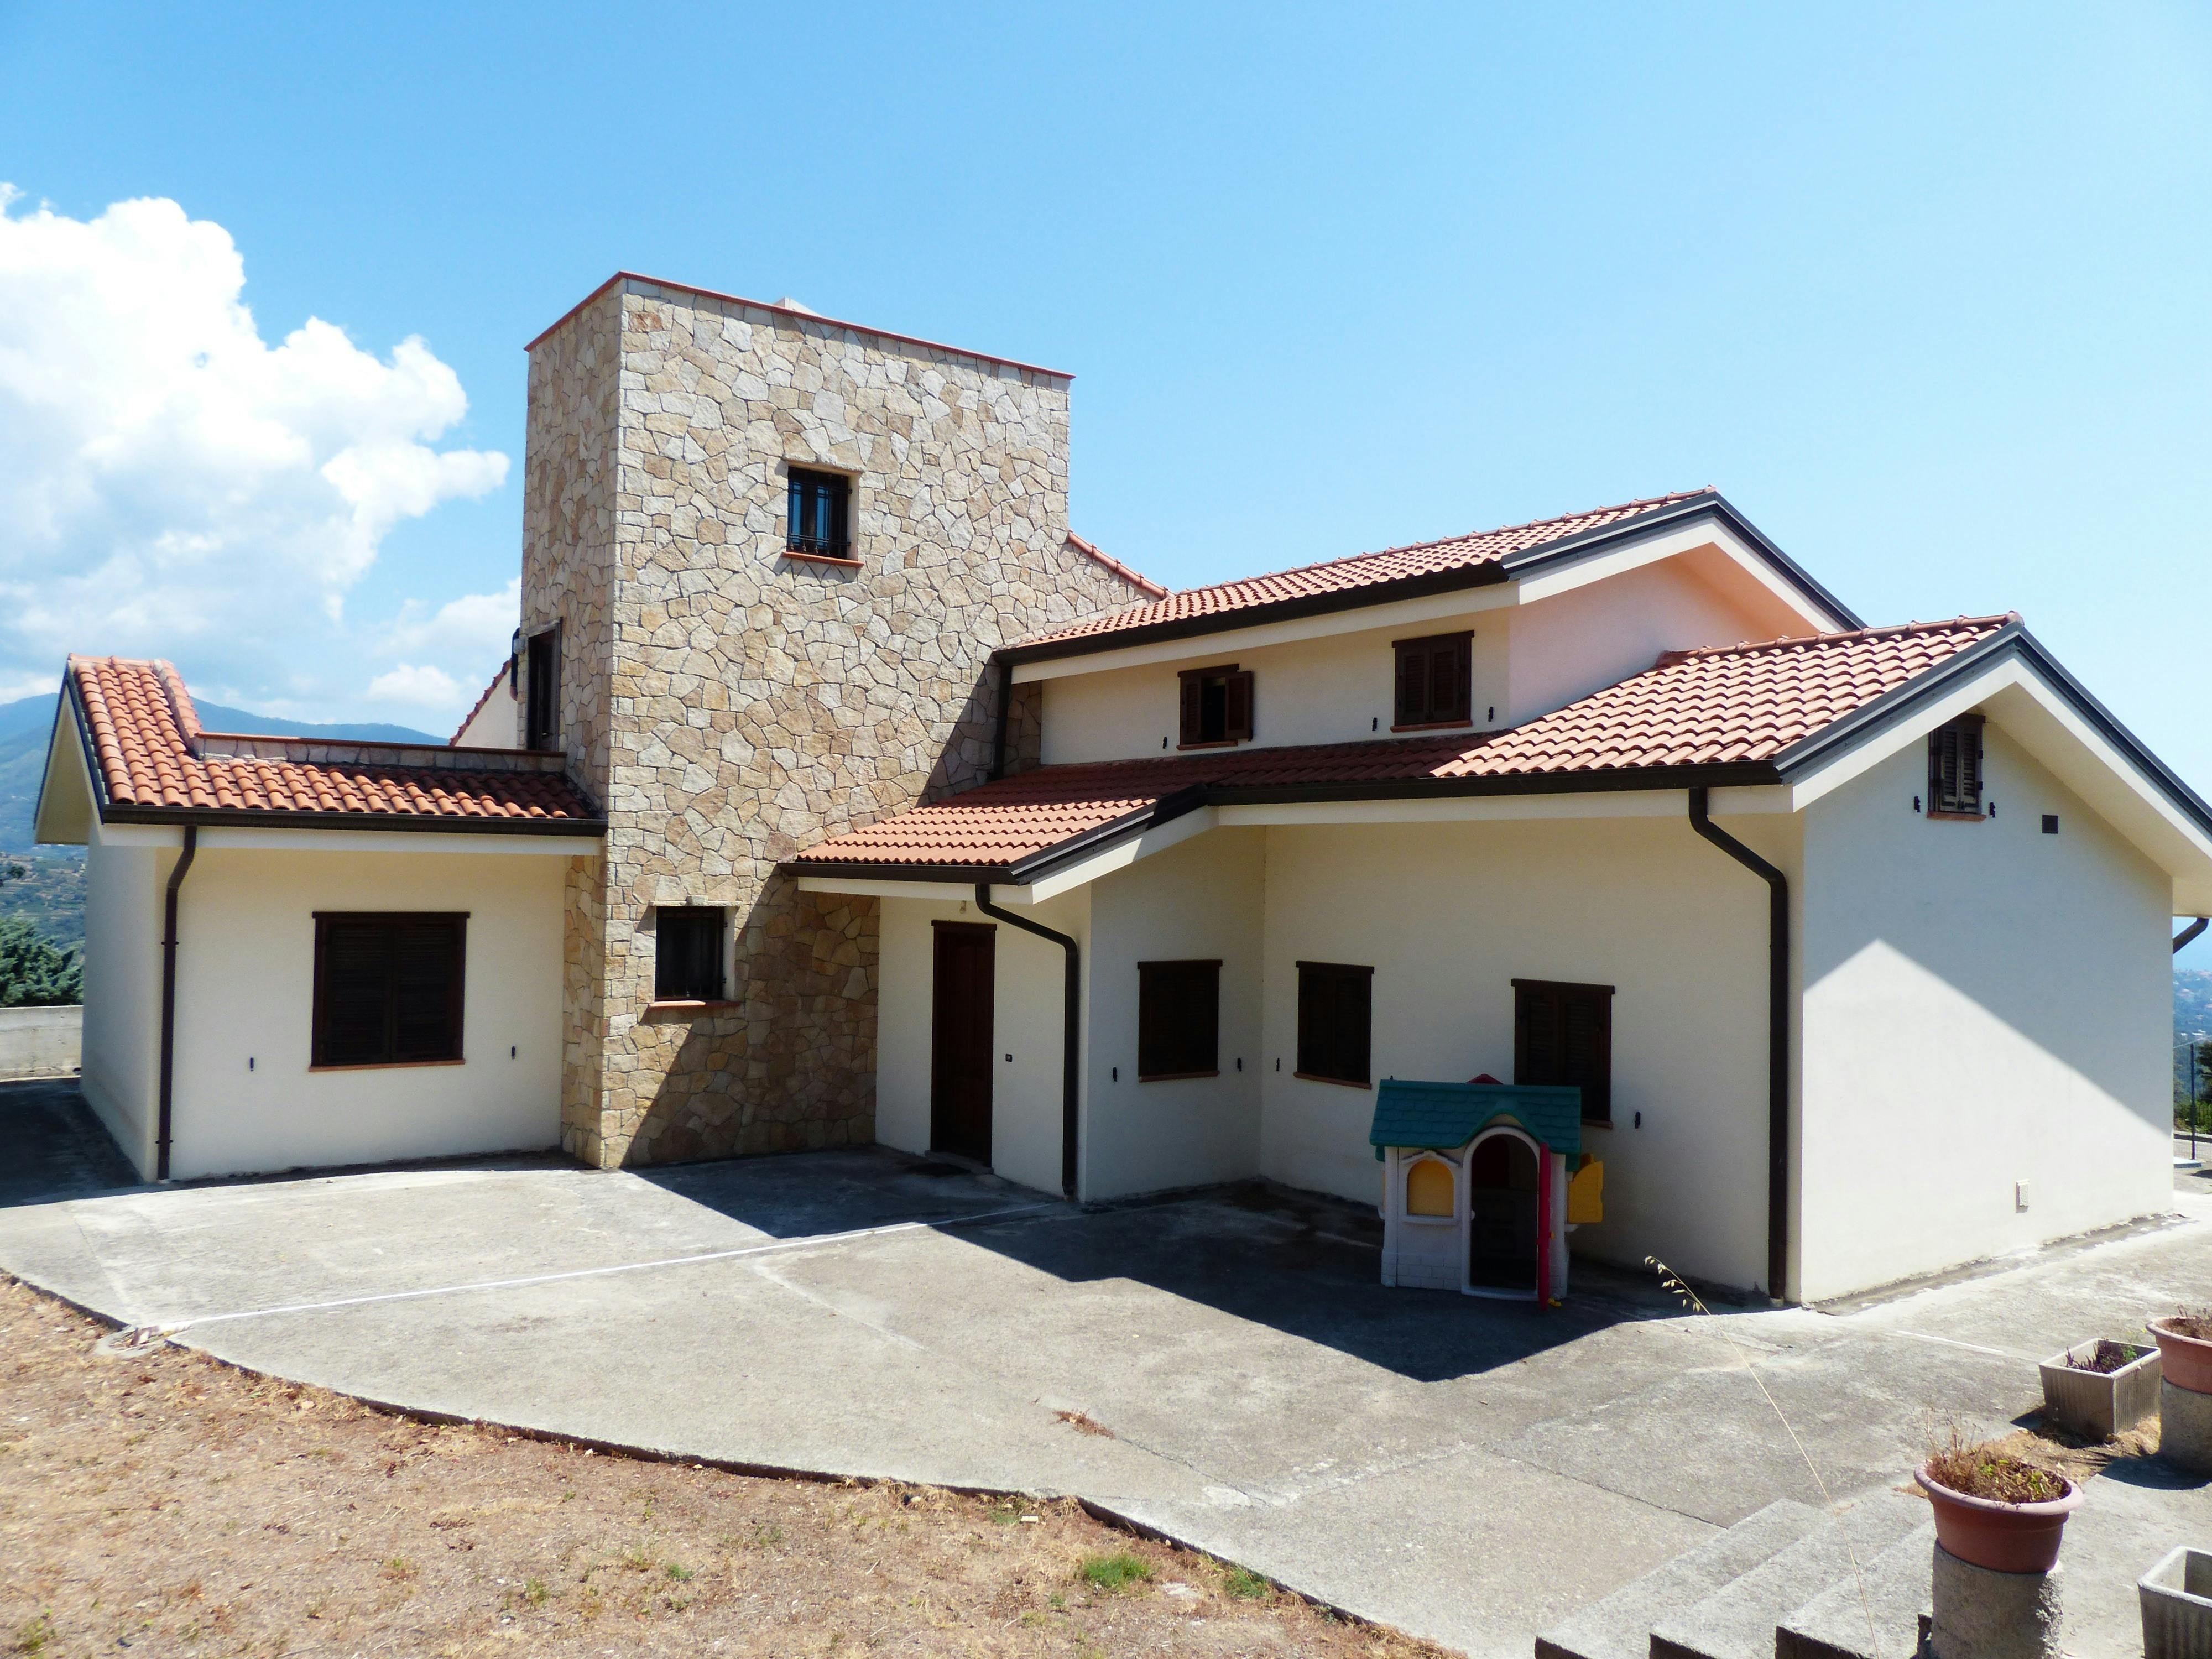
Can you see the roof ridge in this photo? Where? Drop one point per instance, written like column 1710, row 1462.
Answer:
column 1745, row 648
column 1640, row 503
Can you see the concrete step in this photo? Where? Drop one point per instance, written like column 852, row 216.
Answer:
column 1619, row 1626
column 1739, row 1620
column 1834, row 1624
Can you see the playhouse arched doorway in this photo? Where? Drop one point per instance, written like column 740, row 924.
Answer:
column 1505, row 1212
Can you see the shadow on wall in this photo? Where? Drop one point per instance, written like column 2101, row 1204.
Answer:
column 790, row 1066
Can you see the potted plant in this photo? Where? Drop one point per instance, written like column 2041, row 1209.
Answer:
column 2185, row 1343
column 1995, row 1510
column 2097, row 1388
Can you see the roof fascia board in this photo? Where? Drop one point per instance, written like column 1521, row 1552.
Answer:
column 2013, row 660
column 369, row 841
column 1710, row 507
column 1268, row 626
column 1153, row 838
column 926, row 885
column 1738, row 801
column 384, row 826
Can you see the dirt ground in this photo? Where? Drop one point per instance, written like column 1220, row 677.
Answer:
column 158, row 1502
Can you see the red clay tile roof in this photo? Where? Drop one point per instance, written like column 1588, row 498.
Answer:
column 1362, row 570
column 152, row 756
column 1734, row 705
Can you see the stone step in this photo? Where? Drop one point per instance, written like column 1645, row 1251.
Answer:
column 1834, row 1624
column 1739, row 1620
column 1620, row 1626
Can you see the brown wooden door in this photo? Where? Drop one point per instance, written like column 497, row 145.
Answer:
column 961, row 1039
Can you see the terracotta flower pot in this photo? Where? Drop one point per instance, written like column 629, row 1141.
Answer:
column 2002, row 1537
column 2187, row 1360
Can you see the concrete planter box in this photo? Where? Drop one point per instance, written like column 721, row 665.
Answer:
column 2177, row 1607
column 2101, row 1403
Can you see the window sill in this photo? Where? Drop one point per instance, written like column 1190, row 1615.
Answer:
column 389, row 1066
column 676, row 1008
column 1597, row 1123
column 1174, row 1077
column 1412, row 1220
column 821, row 558
column 1436, row 725
column 1340, row 1081
column 1216, row 743
column 1958, row 817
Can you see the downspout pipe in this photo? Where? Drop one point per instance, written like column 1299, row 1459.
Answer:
column 169, row 1000
column 1005, row 703
column 2190, row 933
column 1071, row 1035
column 1777, row 1038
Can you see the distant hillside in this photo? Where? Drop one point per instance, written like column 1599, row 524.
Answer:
column 2192, row 1003
column 27, row 724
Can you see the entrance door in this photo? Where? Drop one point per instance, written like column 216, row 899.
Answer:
column 960, row 1044
column 1501, row 1224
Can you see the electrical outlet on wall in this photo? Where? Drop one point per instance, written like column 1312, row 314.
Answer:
column 2019, row 1194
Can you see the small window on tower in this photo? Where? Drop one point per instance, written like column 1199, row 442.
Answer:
column 1216, row 706
column 1954, row 769
column 819, row 510
column 687, row 949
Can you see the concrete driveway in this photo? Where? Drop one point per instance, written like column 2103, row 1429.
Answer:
column 1469, row 1472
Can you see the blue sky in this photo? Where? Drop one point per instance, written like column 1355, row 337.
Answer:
column 1923, row 289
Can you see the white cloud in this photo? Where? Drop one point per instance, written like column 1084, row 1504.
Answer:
column 421, row 687
column 173, row 485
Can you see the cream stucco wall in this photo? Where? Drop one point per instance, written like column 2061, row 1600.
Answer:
column 1448, row 914
column 1203, row 899
column 1528, row 659
column 1027, row 982
column 1984, row 1005
column 245, row 986
column 123, row 990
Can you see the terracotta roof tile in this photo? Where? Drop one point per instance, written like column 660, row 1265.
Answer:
column 1734, row 704
column 1361, row 570
column 146, row 738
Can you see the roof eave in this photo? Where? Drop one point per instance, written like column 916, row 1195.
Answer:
column 417, row 823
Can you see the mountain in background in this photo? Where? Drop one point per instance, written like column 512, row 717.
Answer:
column 27, row 725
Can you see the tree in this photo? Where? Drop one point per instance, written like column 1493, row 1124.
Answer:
column 34, row 971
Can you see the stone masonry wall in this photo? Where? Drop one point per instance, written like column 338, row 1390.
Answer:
column 748, row 704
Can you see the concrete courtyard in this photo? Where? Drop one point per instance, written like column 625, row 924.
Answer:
column 1465, row 1471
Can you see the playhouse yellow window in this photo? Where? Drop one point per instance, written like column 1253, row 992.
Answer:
column 1429, row 1188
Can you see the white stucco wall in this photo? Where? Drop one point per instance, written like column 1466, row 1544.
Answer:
column 497, row 724
column 1203, row 899
column 1448, row 914
column 1027, row 982
column 245, row 986
column 1984, row 1005
column 1528, row 659
column 123, row 990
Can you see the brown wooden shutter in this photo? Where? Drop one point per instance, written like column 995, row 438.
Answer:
column 1586, row 1048
column 1457, row 690
column 1193, row 709
column 1236, row 723
column 426, row 983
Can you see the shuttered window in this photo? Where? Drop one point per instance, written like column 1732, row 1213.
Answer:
column 687, row 953
column 1955, row 769
column 388, row 989
column 1563, row 1033
column 1435, row 681
column 542, row 713
column 1216, row 706
column 1335, row 1010
column 1178, row 1020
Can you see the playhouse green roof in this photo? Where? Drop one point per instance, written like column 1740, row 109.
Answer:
column 1438, row 1116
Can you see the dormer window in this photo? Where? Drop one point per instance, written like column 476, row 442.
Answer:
column 1435, row 681
column 819, row 510
column 1955, row 769
column 1217, row 706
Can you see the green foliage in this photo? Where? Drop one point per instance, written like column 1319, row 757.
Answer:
column 1115, row 1573
column 1245, row 1584
column 35, row 972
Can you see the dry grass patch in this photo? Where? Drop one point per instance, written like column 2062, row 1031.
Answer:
column 162, row 1500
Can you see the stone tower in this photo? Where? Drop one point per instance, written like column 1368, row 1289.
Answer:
column 729, row 702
